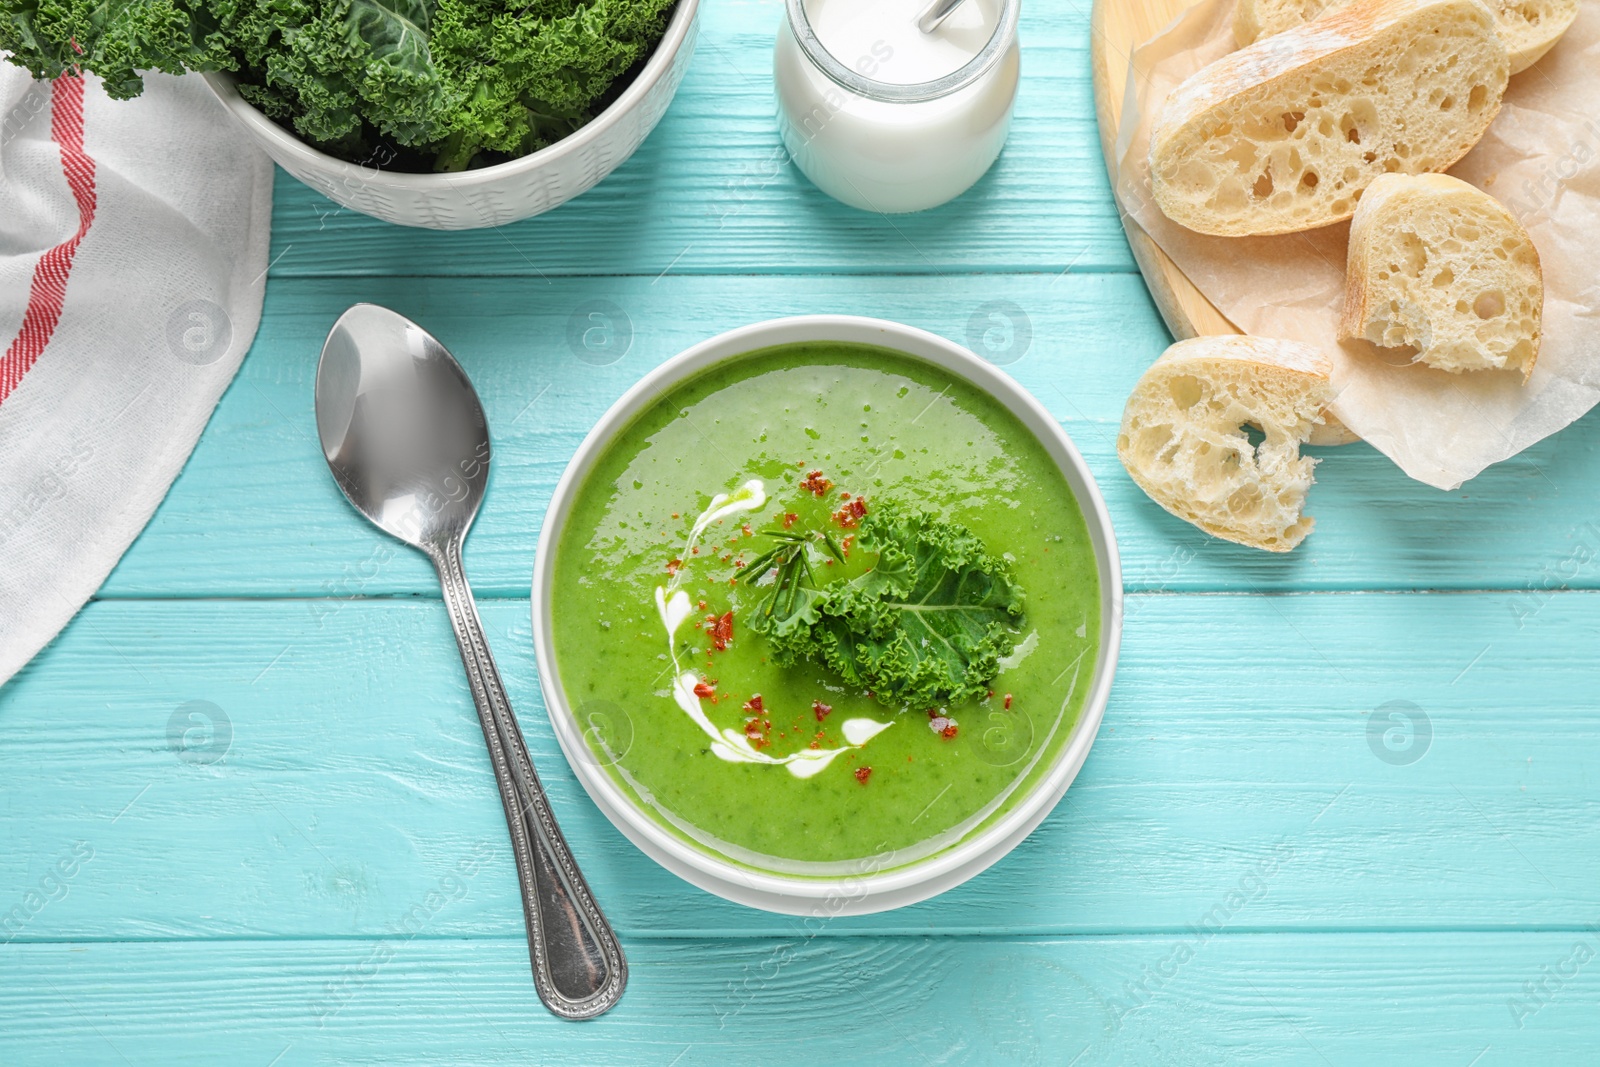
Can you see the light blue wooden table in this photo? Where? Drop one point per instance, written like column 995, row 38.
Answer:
column 1345, row 806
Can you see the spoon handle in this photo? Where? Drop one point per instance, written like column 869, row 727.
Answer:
column 935, row 13
column 578, row 969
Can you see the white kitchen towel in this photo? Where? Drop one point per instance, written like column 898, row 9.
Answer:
column 133, row 256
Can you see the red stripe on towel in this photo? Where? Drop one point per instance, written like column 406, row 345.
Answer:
column 49, row 290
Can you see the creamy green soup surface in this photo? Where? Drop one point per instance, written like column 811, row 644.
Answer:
column 662, row 674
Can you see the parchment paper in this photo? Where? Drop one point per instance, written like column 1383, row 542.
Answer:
column 1541, row 158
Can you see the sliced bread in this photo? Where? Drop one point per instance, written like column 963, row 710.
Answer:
column 1440, row 266
column 1255, row 19
column 1530, row 28
column 1183, row 439
column 1284, row 135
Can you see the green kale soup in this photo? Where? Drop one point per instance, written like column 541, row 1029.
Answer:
column 730, row 635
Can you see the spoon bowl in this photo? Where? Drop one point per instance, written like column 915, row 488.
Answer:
column 402, row 428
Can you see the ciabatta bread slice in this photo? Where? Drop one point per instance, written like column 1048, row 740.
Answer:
column 1183, row 439
column 1284, row 135
column 1440, row 266
column 1529, row 28
column 1255, row 19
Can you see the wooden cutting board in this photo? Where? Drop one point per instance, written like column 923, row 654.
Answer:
column 1116, row 27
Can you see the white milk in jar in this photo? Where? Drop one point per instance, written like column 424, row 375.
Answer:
column 885, row 117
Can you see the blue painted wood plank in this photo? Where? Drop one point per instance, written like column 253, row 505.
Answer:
column 712, row 192
column 255, row 513
column 1241, row 728
column 1202, row 998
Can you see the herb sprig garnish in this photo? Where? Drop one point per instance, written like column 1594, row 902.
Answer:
column 925, row 626
column 791, row 561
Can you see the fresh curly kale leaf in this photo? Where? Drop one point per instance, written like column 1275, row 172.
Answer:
column 529, row 74
column 116, row 39
column 926, row 626
column 362, row 63
column 457, row 83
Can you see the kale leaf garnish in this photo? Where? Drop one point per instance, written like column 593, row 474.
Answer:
column 925, row 627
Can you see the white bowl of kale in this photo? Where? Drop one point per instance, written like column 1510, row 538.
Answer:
column 445, row 114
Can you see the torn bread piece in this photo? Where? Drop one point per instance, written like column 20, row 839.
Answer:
column 1285, row 135
column 1183, row 435
column 1440, row 266
column 1529, row 28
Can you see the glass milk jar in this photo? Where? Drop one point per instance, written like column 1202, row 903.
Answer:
column 888, row 118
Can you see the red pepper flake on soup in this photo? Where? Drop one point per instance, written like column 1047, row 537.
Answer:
column 821, row 710
column 705, row 690
column 816, row 484
column 862, row 774
column 674, row 566
column 721, row 631
column 849, row 516
column 757, row 728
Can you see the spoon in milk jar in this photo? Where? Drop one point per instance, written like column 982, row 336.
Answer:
column 404, row 434
column 935, row 13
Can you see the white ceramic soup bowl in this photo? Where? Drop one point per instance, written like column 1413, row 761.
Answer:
column 872, row 890
column 505, row 192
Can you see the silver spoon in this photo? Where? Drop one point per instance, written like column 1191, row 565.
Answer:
column 404, row 434
column 935, row 13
